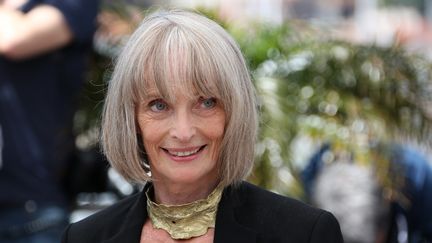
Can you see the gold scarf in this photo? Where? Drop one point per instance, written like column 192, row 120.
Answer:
column 187, row 220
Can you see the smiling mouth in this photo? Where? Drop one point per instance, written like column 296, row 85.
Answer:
column 184, row 153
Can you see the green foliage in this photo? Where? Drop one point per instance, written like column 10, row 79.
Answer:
column 347, row 94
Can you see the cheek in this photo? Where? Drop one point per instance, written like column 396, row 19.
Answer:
column 151, row 131
column 150, row 140
column 214, row 131
column 217, row 132
column 215, row 127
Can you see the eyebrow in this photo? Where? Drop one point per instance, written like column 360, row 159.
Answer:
column 151, row 96
column 151, row 92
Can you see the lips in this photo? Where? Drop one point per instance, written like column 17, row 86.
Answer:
column 184, row 152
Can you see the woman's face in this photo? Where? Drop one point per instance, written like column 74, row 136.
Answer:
column 182, row 139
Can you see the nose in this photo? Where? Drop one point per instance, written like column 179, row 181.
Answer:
column 182, row 128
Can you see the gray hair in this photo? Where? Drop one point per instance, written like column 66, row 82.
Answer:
column 172, row 49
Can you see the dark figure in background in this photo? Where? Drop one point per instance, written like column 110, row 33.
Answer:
column 358, row 200
column 43, row 50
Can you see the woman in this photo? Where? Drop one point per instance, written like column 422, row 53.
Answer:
column 181, row 114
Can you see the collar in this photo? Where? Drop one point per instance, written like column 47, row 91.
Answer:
column 187, row 220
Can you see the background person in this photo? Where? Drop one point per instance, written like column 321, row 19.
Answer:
column 180, row 117
column 368, row 210
column 43, row 50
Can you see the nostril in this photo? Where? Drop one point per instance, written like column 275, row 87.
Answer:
column 182, row 127
column 183, row 133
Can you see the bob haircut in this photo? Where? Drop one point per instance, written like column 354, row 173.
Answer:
column 171, row 50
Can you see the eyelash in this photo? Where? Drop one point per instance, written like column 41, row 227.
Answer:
column 152, row 105
column 201, row 102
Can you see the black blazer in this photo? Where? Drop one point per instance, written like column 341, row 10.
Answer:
column 245, row 214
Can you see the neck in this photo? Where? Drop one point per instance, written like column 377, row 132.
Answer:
column 177, row 194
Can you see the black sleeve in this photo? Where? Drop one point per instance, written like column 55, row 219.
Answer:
column 326, row 229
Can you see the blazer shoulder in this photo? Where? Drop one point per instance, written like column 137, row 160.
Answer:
column 254, row 196
column 272, row 214
column 100, row 224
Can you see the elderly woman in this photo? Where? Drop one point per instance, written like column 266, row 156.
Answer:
column 180, row 117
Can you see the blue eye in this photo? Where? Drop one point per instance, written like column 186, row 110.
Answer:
column 158, row 105
column 208, row 103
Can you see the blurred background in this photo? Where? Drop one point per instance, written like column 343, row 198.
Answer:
column 346, row 103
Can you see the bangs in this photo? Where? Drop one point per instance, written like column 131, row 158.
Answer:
column 177, row 62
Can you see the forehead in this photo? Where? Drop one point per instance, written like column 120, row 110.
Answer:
column 172, row 89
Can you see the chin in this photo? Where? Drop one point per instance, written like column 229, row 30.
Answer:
column 190, row 177
column 187, row 178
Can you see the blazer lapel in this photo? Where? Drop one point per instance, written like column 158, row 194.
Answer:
column 130, row 230
column 227, row 228
column 131, row 233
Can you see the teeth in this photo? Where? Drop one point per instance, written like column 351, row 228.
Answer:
column 184, row 153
